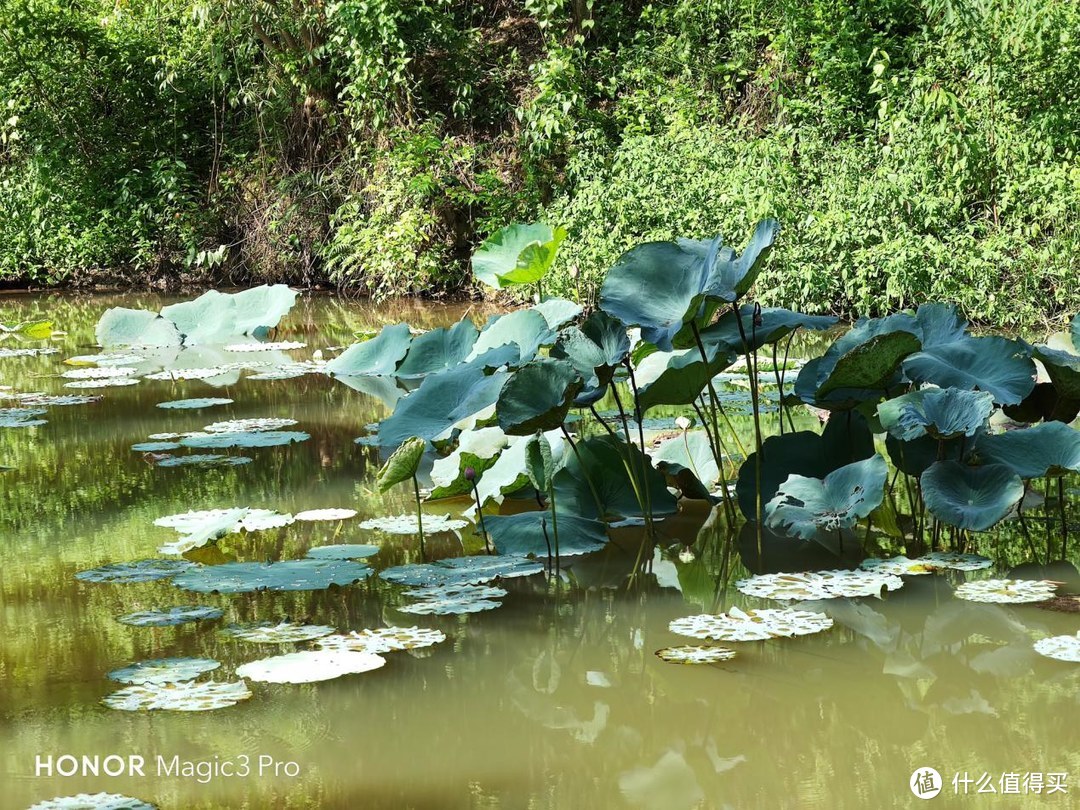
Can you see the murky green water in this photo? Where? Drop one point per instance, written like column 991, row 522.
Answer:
column 555, row 700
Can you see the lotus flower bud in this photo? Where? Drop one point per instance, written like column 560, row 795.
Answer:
column 682, row 423
column 574, row 271
column 470, row 474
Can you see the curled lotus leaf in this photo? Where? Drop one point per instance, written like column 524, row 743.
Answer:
column 438, row 350
column 408, row 524
column 189, row 696
column 384, row 639
column 557, row 311
column 375, row 357
column 595, row 349
column 289, row 575
column 276, row 633
column 803, row 506
column 139, row 571
column 171, row 616
column 343, row 551
column 941, row 413
column 538, row 396
column 121, row 326
column 688, row 654
column 523, row 330
column 688, row 460
column 402, row 464
column 164, row 670
column 310, row 666
column 1006, row 591
column 1060, row 648
column 94, row 801
column 975, row 498
column 517, row 254
column 1051, row 448
column 324, row 514
column 752, row 625
column 679, row 377
column 819, row 585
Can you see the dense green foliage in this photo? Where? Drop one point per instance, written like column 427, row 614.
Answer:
column 910, row 149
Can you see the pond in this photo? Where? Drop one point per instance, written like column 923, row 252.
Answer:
column 555, row 699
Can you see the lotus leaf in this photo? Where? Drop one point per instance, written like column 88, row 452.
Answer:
column 1061, row 648
column 957, row 561
column 941, row 413
column 164, row 670
column 203, row 460
column 135, row 327
column 477, row 450
column 695, row 655
column 324, row 514
column 774, row 325
column 532, row 533
column 154, row 447
column 195, row 404
column 249, row 425
column 819, row 585
column 455, row 571
column 172, row 616
column 1051, row 448
column 98, row 373
column 344, row 551
column 804, row 505
column 752, row 625
column 246, row 439
column 179, row 697
column 108, row 382
column 1006, row 591
column 402, row 464
column 537, row 396
column 517, row 254
column 688, row 460
column 280, row 346
column 384, row 640
column 678, row 378
column 998, row 365
column 595, row 349
column 438, row 350
column 140, row 571
column 407, row 524
column 378, row 356
column 524, row 329
column 280, row 633
column 459, row 599
column 974, row 498
column 290, row 575
column 557, row 311
column 94, row 801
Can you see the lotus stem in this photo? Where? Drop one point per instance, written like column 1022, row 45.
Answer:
column 480, row 513
column 584, row 471
column 419, row 516
column 554, row 523
column 645, row 463
column 1064, row 522
column 752, row 372
column 1024, row 529
column 717, row 448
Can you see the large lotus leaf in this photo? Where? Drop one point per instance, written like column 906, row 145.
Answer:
column 380, row 355
column 290, row 575
column 438, row 350
column 775, row 324
column 441, row 401
column 595, row 349
column 679, row 377
column 537, row 397
column 1063, row 368
column 208, row 319
column 688, row 460
column 526, row 329
column 477, row 450
column 974, row 498
column 402, row 464
column 846, row 439
column 658, row 286
column 384, row 389
column 804, row 505
column 1051, row 448
column 558, row 311
column 995, row 364
column 533, row 533
column 600, row 466
column 730, row 277
column 915, row 456
column 939, row 324
column 260, row 309
column 136, row 327
column 517, row 254
column 510, row 471
column 869, row 364
column 1045, row 403
column 539, row 462
column 942, row 413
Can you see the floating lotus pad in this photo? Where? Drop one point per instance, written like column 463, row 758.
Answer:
column 253, row 438
column 21, row 417
column 927, row 564
column 192, row 373
column 94, row 801
column 957, row 561
column 54, row 400
column 178, row 697
column 154, row 447
column 1061, row 648
column 194, row 404
column 752, row 625
column 455, row 571
column 203, row 460
column 384, row 639
column 433, row 592
column 247, row 519
column 325, row 514
column 281, row 633
column 111, row 382
column 406, row 524
column 280, row 346
column 173, row 616
column 27, row 352
column 453, row 599
column 1006, row 591
column 99, row 373
column 290, row 575
column 139, row 571
column 113, row 359
column 310, row 666
column 819, row 585
column 164, row 670
column 249, row 425
column 689, row 654
column 343, row 551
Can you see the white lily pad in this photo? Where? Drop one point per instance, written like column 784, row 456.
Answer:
column 203, row 460
column 139, row 571
column 1006, row 591
column 957, row 561
column 280, row 346
column 819, row 584
column 383, row 639
column 689, row 654
column 249, row 425
column 194, row 404
column 109, row 382
column 102, row 373
column 170, row 617
column 310, row 666
column 289, row 575
column 406, row 524
column 94, row 801
column 1061, row 648
column 325, row 514
column 446, row 601
column 927, row 564
column 192, row 696
column 280, row 633
column 752, row 625
column 252, row 438
column 164, row 670
column 343, row 551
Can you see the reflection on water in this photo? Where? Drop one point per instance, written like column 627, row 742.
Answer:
column 553, row 701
